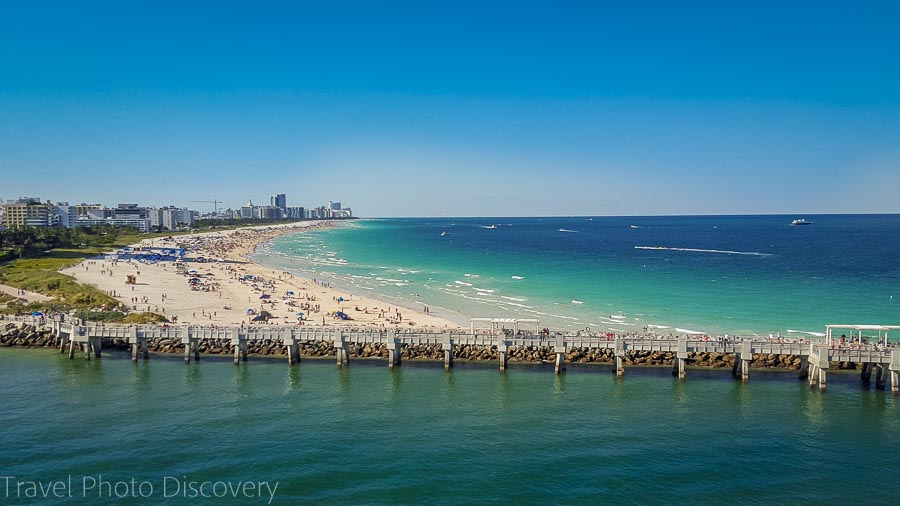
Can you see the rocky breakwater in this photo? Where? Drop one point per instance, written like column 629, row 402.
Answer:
column 26, row 335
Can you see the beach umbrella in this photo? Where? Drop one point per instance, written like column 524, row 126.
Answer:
column 299, row 314
column 289, row 293
column 191, row 271
column 340, row 299
column 264, row 296
column 37, row 313
column 251, row 311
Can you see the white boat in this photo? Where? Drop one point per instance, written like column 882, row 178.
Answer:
column 801, row 221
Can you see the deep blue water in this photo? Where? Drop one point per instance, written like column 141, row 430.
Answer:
column 736, row 274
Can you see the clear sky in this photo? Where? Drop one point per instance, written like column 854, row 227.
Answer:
column 476, row 108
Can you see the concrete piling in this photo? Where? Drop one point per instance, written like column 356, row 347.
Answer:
column 503, row 352
column 447, row 347
column 395, row 352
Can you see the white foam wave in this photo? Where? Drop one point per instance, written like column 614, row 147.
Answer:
column 515, row 304
column 462, row 283
column 689, row 331
column 483, row 290
column 817, row 334
column 577, row 302
column 517, row 299
column 518, row 277
column 569, row 231
column 699, row 250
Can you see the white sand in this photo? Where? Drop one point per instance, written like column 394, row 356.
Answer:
column 162, row 289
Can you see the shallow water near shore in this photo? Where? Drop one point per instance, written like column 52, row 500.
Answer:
column 366, row 434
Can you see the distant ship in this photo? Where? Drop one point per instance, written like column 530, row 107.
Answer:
column 801, row 221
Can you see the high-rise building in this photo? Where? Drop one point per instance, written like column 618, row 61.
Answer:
column 279, row 200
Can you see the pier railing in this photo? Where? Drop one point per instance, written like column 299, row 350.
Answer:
column 815, row 357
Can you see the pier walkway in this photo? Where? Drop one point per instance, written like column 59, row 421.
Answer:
column 816, row 357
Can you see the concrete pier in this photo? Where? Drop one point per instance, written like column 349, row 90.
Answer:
column 880, row 376
column 560, row 364
column 819, row 364
column 239, row 343
column 815, row 357
column 191, row 346
column 894, row 368
column 804, row 368
column 342, row 350
column 865, row 374
column 620, row 358
column 680, row 360
column 293, row 351
column 395, row 353
column 447, row 348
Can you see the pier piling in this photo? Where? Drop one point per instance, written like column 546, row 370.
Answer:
column 804, row 368
column 502, row 351
column 395, row 351
column 866, row 373
column 620, row 358
column 341, row 350
column 447, row 347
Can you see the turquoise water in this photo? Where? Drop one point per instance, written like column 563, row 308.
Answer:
column 366, row 434
column 736, row 274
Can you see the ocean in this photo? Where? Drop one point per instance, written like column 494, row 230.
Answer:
column 744, row 275
column 107, row 431
column 419, row 435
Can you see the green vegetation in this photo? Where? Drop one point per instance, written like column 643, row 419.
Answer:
column 40, row 275
column 41, row 252
column 34, row 255
column 30, row 242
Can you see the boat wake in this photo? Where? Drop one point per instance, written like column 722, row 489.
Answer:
column 698, row 250
column 569, row 231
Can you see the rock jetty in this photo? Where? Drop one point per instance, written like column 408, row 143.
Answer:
column 26, row 335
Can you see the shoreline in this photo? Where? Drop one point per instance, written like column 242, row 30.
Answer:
column 232, row 288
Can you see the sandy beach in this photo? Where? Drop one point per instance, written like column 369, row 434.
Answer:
column 229, row 289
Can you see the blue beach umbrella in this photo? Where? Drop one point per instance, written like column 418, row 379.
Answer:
column 251, row 311
column 37, row 313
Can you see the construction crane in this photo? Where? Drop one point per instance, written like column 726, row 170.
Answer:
column 215, row 204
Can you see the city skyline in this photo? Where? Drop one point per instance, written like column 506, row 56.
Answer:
column 416, row 110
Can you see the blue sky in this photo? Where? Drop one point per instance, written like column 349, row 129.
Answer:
column 476, row 108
